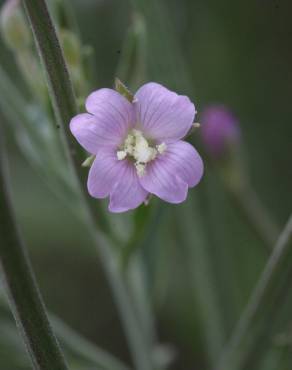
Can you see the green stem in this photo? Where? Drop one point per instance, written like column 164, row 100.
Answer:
column 24, row 296
column 140, row 349
column 72, row 343
column 57, row 74
column 85, row 349
column 62, row 95
column 198, row 255
column 267, row 297
column 255, row 214
column 235, row 177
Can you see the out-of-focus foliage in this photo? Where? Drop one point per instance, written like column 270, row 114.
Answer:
column 201, row 259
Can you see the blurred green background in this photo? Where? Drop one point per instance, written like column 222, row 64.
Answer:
column 201, row 259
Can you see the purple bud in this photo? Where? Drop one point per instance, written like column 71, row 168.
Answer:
column 220, row 129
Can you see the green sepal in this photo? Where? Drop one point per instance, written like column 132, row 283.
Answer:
column 123, row 90
column 88, row 161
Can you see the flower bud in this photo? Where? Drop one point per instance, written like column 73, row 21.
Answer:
column 14, row 28
column 219, row 130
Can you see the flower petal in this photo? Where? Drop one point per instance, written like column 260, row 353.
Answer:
column 162, row 114
column 183, row 160
column 104, row 174
column 92, row 135
column 159, row 180
column 170, row 174
column 128, row 193
column 114, row 113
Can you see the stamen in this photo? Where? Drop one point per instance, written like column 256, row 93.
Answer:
column 161, row 148
column 140, row 169
column 121, row 154
column 137, row 147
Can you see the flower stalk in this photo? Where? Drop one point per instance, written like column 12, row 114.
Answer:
column 221, row 138
column 237, row 183
column 252, row 209
column 23, row 293
column 256, row 321
column 198, row 256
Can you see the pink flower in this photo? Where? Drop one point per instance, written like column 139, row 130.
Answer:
column 138, row 146
column 220, row 130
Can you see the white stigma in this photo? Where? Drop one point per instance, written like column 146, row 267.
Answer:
column 137, row 147
column 121, row 154
column 140, row 169
column 161, row 148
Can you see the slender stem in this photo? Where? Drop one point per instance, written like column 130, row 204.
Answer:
column 142, row 218
column 235, row 177
column 255, row 213
column 61, row 93
column 261, row 309
column 198, row 256
column 139, row 347
column 57, row 74
column 84, row 348
column 73, row 343
column 24, row 296
column 65, row 108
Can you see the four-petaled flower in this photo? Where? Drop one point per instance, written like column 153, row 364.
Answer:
column 138, row 146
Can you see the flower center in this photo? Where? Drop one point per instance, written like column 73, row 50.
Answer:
column 137, row 147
